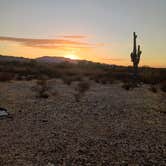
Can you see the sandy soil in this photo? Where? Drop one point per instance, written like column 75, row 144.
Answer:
column 109, row 126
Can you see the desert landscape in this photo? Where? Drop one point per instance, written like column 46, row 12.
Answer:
column 81, row 120
column 82, row 83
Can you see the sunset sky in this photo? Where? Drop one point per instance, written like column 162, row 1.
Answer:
column 96, row 30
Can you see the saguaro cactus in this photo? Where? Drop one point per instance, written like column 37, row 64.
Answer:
column 135, row 55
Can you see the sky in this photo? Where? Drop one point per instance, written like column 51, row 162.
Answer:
column 95, row 30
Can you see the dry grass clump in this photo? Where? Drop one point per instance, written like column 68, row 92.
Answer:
column 126, row 86
column 129, row 85
column 153, row 88
column 81, row 88
column 42, row 89
column 152, row 76
column 69, row 79
column 163, row 86
column 148, row 78
column 103, row 77
column 6, row 76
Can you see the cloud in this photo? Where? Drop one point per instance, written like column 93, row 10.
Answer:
column 75, row 36
column 59, row 43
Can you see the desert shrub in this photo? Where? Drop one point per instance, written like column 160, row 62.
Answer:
column 126, row 86
column 104, row 81
column 81, row 88
column 69, row 79
column 148, row 78
column 107, row 79
column 153, row 88
column 112, row 80
column 69, row 72
column 42, row 88
column 6, row 76
column 163, row 86
column 77, row 97
column 96, row 80
column 129, row 85
column 77, row 78
column 99, row 77
column 152, row 76
column 29, row 77
column 19, row 77
column 109, row 76
column 123, row 76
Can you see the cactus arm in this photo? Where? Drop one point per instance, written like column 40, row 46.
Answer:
column 139, row 51
column 131, row 57
column 134, row 43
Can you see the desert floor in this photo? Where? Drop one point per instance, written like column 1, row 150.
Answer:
column 109, row 126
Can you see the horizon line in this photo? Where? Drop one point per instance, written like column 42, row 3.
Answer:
column 80, row 60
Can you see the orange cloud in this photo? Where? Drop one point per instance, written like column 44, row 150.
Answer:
column 51, row 43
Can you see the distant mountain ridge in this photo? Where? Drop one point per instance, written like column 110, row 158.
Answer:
column 50, row 59
column 12, row 58
column 44, row 59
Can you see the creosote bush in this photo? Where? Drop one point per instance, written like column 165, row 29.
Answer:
column 81, row 88
column 42, row 88
column 69, row 79
column 6, row 76
column 129, row 85
column 163, row 86
column 153, row 88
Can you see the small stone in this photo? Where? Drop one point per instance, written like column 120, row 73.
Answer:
column 50, row 164
column 3, row 112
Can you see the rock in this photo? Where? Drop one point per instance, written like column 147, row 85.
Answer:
column 3, row 113
column 50, row 164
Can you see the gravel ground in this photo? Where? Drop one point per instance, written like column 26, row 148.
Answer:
column 109, row 126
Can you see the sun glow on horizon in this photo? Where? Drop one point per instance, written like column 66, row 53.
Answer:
column 72, row 56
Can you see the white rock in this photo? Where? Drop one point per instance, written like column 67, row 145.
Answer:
column 3, row 113
column 50, row 164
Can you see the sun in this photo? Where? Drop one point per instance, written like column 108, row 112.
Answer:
column 72, row 56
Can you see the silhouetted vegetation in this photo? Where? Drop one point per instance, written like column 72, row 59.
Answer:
column 135, row 55
column 6, row 76
column 68, row 72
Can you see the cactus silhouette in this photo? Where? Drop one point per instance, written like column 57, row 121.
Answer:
column 135, row 55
